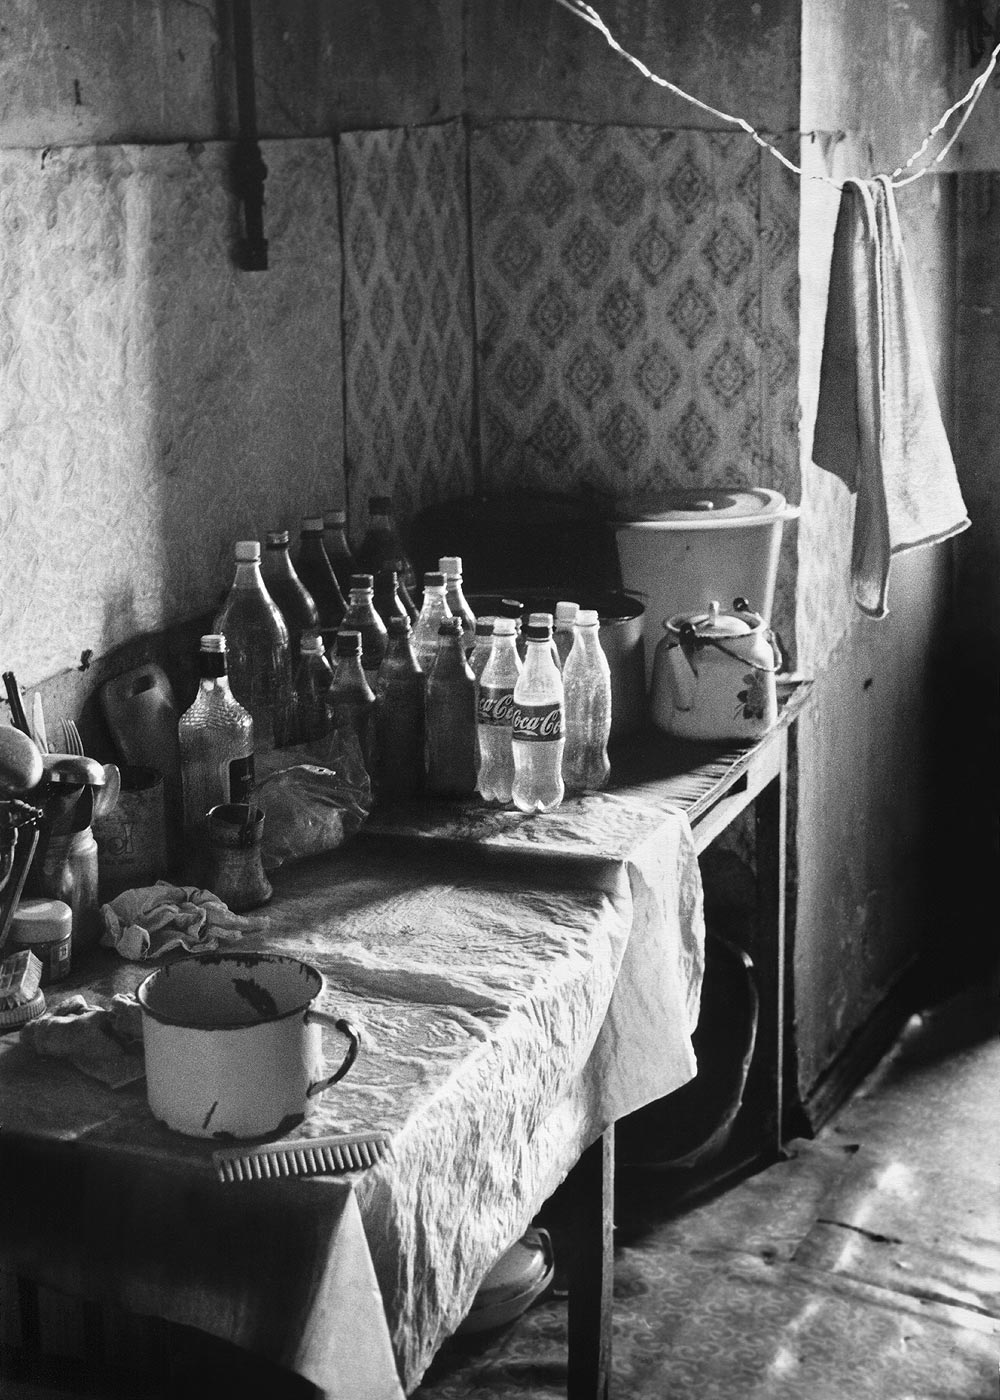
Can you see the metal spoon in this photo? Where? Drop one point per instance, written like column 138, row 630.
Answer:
column 106, row 798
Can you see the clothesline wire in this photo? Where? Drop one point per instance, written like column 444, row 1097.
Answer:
column 587, row 13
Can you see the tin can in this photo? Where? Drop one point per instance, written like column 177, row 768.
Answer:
column 45, row 927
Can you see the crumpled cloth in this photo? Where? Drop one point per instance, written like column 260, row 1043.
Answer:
column 104, row 1042
column 878, row 423
column 144, row 923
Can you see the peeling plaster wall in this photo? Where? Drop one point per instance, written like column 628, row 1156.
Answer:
column 872, row 835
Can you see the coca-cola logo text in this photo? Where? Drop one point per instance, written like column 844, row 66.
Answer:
column 540, row 724
column 496, row 706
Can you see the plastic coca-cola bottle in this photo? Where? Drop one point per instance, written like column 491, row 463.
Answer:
column 587, row 684
column 564, row 630
column 451, row 717
column 495, row 714
column 537, row 729
column 433, row 611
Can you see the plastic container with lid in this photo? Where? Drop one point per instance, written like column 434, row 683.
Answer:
column 45, row 928
column 680, row 549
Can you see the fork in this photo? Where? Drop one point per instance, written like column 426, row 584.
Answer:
column 72, row 743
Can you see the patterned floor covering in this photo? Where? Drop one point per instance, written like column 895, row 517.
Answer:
column 866, row 1265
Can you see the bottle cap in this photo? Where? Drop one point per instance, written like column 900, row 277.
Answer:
column 276, row 539
column 311, row 642
column 312, row 524
column 399, row 627
column 434, row 580
column 349, row 643
column 335, row 517
column 510, row 607
column 380, row 505
column 539, row 618
column 485, row 626
column 566, row 612
column 450, row 565
column 248, row 551
column 587, row 617
column 40, row 921
column 504, row 627
column 450, row 627
column 213, row 641
column 538, row 631
column 361, row 581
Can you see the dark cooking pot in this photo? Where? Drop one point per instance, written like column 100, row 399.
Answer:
column 621, row 622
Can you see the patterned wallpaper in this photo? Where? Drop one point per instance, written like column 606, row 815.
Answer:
column 634, row 320
column 407, row 318
column 155, row 402
column 637, row 303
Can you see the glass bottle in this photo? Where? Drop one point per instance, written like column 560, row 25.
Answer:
column 433, row 611
column 338, row 551
column 294, row 601
column 385, row 596
column 400, row 691
column 259, row 655
column 351, row 702
column 451, row 566
column 216, row 741
column 316, row 572
column 361, row 617
column 564, row 629
column 451, row 746
column 537, row 731
column 382, row 546
column 587, row 686
column 313, row 678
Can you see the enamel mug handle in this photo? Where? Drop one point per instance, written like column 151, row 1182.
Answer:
column 353, row 1035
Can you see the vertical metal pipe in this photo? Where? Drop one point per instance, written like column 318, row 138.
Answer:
column 249, row 169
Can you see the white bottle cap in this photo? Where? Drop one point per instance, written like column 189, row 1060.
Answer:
column 213, row 641
column 566, row 612
column 504, row 627
column 312, row 524
column 450, row 564
column 540, row 619
column 311, row 641
column 248, row 551
column 587, row 617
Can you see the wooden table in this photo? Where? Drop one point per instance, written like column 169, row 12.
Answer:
column 713, row 784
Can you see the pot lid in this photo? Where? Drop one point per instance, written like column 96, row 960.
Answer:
column 714, row 623
column 700, row 506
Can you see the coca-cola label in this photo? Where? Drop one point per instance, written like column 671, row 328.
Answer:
column 537, row 724
column 496, row 705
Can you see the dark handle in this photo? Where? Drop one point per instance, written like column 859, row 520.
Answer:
column 352, row 1034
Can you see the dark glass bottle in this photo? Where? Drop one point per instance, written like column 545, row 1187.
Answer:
column 385, row 596
column 260, row 668
column 313, row 679
column 338, row 551
column 293, row 599
column 382, row 547
column 316, row 572
column 399, row 717
column 351, row 701
column 362, row 617
column 451, row 748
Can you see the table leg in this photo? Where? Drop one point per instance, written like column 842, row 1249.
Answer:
column 770, row 813
column 591, row 1271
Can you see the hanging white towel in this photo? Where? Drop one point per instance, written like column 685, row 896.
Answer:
column 878, row 424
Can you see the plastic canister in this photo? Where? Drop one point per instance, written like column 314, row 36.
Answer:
column 45, row 927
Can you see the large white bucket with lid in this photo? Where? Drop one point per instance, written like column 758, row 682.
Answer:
column 683, row 548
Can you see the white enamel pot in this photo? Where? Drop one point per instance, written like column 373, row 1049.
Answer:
column 233, row 1044
column 714, row 675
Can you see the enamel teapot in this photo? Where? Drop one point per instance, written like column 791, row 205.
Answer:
column 713, row 675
